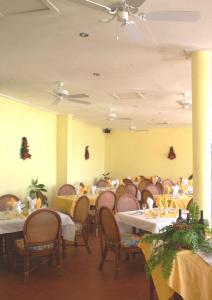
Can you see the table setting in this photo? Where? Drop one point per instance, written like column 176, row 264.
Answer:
column 13, row 221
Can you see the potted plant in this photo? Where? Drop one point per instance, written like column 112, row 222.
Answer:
column 36, row 190
column 187, row 234
column 106, row 176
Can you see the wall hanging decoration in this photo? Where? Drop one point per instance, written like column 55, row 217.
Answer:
column 24, row 151
column 171, row 154
column 87, row 154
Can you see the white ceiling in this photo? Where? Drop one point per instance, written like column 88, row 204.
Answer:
column 40, row 48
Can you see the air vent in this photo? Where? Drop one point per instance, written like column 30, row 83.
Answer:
column 128, row 95
column 11, row 7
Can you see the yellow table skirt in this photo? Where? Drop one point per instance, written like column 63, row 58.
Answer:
column 169, row 201
column 67, row 203
column 190, row 277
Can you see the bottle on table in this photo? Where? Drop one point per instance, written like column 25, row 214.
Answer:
column 202, row 222
column 180, row 218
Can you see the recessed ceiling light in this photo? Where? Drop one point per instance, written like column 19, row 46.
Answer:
column 83, row 34
column 96, row 74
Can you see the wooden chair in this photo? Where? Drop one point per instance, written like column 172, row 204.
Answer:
column 160, row 186
column 144, row 195
column 131, row 189
column 154, row 189
column 66, row 189
column 43, row 198
column 112, row 241
column 127, row 181
column 42, row 234
column 121, row 190
column 143, row 184
column 102, row 183
column 80, row 218
column 105, row 199
column 6, row 199
column 127, row 202
column 167, row 182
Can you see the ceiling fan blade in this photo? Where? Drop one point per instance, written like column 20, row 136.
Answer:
column 107, row 20
column 134, row 3
column 78, row 96
column 123, row 118
column 108, row 9
column 56, row 101
column 173, row 16
column 79, row 101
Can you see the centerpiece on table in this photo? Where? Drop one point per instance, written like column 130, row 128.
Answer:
column 36, row 197
column 184, row 234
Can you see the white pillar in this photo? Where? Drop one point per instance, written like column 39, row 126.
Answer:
column 201, row 128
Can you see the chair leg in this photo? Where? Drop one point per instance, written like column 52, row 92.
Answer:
column 63, row 248
column 117, row 263
column 104, row 254
column 57, row 254
column 85, row 235
column 26, row 267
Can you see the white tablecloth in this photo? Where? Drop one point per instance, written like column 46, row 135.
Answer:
column 17, row 224
column 138, row 220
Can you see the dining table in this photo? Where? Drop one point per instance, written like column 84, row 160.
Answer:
column 66, row 203
column 149, row 220
column 190, row 276
column 11, row 222
column 168, row 200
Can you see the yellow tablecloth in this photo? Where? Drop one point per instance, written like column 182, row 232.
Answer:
column 66, row 204
column 169, row 201
column 190, row 277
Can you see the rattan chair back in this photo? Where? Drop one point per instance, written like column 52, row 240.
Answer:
column 7, row 199
column 167, row 182
column 127, row 202
column 144, row 195
column 143, row 184
column 109, row 227
column 154, row 189
column 43, row 198
column 106, row 199
column 102, row 183
column 67, row 189
column 81, row 210
column 127, row 181
column 131, row 189
column 41, row 227
column 121, row 190
column 160, row 186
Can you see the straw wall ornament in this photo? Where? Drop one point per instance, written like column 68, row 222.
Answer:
column 171, row 154
column 87, row 154
column 24, row 151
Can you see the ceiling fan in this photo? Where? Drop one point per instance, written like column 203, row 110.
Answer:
column 185, row 101
column 62, row 93
column 125, row 11
column 111, row 116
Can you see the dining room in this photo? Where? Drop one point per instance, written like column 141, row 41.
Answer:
column 105, row 129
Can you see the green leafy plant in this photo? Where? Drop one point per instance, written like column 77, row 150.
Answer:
column 36, row 187
column 174, row 238
column 106, row 175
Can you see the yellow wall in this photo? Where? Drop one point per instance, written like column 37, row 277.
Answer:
column 145, row 153
column 79, row 169
column 18, row 120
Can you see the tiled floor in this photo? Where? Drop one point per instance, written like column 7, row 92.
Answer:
column 80, row 279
